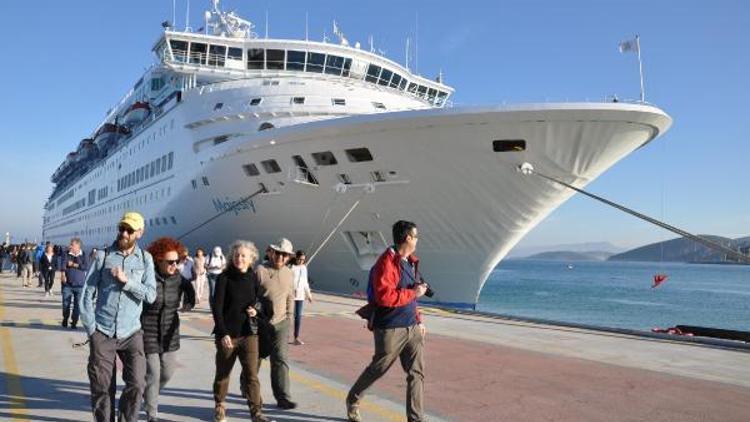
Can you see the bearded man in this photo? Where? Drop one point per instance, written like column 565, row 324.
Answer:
column 117, row 284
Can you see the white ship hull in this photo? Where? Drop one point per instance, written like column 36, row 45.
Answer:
column 438, row 167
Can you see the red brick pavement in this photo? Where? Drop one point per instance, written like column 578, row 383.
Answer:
column 474, row 381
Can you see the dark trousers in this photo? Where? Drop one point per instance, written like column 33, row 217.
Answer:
column 101, row 369
column 246, row 350
column 406, row 344
column 49, row 280
column 70, row 294
column 278, row 358
column 298, row 304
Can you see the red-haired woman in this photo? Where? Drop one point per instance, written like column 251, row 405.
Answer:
column 160, row 321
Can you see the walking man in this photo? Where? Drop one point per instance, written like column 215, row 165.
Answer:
column 393, row 288
column 122, row 279
column 74, row 267
column 277, row 285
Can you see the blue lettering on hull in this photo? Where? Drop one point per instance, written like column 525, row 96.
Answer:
column 239, row 207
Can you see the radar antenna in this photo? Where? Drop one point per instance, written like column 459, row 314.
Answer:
column 227, row 24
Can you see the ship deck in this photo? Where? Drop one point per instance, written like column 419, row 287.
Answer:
column 477, row 368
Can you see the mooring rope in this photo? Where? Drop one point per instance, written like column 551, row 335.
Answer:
column 526, row 169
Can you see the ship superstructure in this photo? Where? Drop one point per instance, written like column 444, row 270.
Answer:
column 343, row 142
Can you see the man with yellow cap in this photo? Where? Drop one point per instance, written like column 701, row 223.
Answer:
column 117, row 284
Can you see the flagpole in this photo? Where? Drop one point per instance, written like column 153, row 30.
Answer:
column 640, row 65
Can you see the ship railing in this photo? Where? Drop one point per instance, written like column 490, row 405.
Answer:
column 199, row 58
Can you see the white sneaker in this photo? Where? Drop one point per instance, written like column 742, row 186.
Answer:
column 298, row 342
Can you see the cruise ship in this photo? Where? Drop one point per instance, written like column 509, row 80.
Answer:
column 234, row 136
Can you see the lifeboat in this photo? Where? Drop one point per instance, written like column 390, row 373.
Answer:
column 136, row 113
column 109, row 133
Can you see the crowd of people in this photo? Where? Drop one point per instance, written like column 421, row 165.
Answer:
column 128, row 300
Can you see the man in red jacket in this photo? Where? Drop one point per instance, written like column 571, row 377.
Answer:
column 394, row 287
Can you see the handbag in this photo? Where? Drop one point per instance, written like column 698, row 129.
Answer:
column 367, row 313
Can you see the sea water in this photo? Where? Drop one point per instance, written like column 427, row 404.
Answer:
column 619, row 294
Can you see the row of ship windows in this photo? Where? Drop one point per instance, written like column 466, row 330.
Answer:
column 297, row 60
column 147, row 171
column 325, row 158
column 158, row 221
column 301, row 100
column 103, row 192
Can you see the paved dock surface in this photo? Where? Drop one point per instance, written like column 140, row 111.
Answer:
column 477, row 369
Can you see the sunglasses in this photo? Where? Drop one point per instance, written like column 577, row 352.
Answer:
column 171, row 261
column 124, row 228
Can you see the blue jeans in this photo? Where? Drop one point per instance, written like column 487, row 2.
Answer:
column 71, row 293
column 211, row 288
column 297, row 316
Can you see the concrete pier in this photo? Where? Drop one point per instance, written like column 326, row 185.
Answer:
column 477, row 369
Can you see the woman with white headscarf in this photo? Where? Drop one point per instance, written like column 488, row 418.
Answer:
column 215, row 264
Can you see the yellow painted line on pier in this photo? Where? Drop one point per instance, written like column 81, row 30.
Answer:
column 12, row 376
column 366, row 407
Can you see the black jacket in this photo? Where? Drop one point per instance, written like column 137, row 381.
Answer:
column 234, row 292
column 159, row 320
column 47, row 266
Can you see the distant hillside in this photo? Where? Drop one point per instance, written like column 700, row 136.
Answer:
column 682, row 250
column 524, row 252
column 571, row 256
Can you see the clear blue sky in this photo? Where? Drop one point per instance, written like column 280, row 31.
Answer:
column 66, row 62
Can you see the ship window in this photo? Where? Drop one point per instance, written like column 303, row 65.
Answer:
column 325, row 158
column 216, row 54
column 295, row 60
column 256, row 57
column 343, row 178
column 338, row 101
column 422, row 91
column 303, row 172
column 275, row 59
column 152, row 168
column 220, row 139
column 218, row 106
column 157, row 84
column 509, row 145
column 441, row 98
column 347, row 67
column 413, row 88
column 298, row 100
column 377, row 176
column 271, row 166
column 163, row 164
column 402, row 85
column 431, row 94
column 251, row 170
column 255, row 101
column 372, row 73
column 265, row 126
column 385, row 77
column 315, row 62
column 174, row 220
column 234, row 53
column 205, row 181
column 157, row 221
column 170, row 157
column 379, row 106
column 358, row 155
column 179, row 50
column 194, row 183
column 395, row 80
column 334, row 65
column 198, row 53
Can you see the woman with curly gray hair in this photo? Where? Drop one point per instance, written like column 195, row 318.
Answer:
column 236, row 311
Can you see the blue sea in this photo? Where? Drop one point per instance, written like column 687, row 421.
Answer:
column 619, row 294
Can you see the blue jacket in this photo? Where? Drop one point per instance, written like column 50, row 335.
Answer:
column 117, row 311
column 76, row 275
